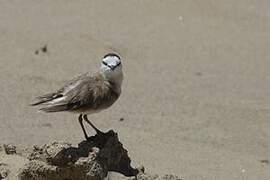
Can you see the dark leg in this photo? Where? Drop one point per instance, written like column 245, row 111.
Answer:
column 81, row 123
column 92, row 125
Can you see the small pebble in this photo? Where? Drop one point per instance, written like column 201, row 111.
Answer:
column 10, row 149
column 49, row 125
column 180, row 18
column 265, row 161
column 4, row 173
column 44, row 49
column 121, row 119
column 198, row 73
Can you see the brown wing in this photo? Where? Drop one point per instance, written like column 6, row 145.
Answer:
column 86, row 93
column 47, row 98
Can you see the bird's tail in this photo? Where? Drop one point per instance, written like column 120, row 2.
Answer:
column 54, row 108
column 53, row 102
column 46, row 98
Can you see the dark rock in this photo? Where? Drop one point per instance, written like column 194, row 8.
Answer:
column 92, row 159
column 4, row 171
column 44, row 49
column 10, row 149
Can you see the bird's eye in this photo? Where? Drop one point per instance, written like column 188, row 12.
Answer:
column 104, row 63
column 118, row 63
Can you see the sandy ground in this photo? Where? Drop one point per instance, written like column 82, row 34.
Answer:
column 195, row 101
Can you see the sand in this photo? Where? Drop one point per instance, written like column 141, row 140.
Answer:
column 196, row 79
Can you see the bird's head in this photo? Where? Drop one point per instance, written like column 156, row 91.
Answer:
column 111, row 67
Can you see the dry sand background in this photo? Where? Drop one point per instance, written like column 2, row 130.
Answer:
column 196, row 98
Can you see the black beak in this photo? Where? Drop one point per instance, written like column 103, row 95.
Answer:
column 111, row 67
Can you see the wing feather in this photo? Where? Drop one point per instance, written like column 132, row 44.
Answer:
column 82, row 92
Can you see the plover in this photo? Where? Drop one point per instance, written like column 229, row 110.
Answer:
column 87, row 93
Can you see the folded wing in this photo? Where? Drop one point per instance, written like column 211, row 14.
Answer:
column 82, row 92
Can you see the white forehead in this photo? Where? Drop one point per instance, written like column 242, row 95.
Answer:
column 111, row 60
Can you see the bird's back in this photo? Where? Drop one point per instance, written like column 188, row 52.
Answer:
column 84, row 94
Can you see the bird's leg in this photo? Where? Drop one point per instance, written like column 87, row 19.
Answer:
column 92, row 125
column 81, row 123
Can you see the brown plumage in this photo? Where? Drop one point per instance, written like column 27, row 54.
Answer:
column 87, row 94
column 84, row 94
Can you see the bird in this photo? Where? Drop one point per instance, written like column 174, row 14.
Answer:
column 87, row 93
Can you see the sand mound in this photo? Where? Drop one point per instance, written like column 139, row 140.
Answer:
column 91, row 160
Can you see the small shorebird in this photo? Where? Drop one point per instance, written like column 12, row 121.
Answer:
column 87, row 94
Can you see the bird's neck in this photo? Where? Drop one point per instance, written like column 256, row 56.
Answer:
column 115, row 80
